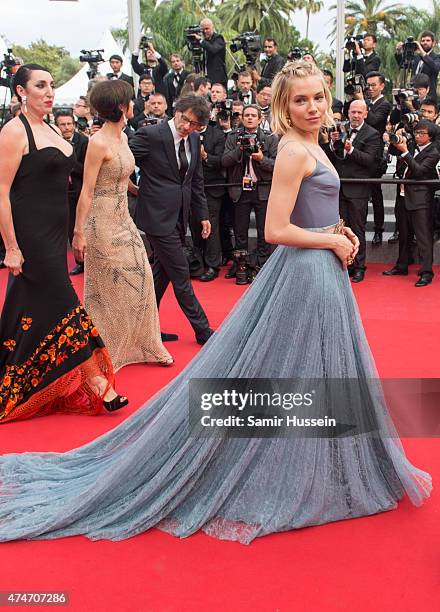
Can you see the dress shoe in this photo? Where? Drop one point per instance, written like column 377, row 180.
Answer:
column 78, row 269
column 205, row 336
column 358, row 276
column 226, row 259
column 425, row 279
column 209, row 275
column 232, row 271
column 395, row 272
column 394, row 238
column 168, row 337
column 377, row 239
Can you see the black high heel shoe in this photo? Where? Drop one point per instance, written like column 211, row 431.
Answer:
column 116, row 403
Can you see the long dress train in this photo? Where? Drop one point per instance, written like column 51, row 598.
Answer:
column 118, row 282
column 298, row 319
column 49, row 346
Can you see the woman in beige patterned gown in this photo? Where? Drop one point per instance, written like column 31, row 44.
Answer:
column 118, row 282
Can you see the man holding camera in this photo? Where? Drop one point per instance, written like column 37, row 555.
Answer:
column 249, row 159
column 214, row 53
column 156, row 67
column 362, row 60
column 420, row 159
column 423, row 58
column 116, row 65
column 273, row 62
column 356, row 157
column 155, row 112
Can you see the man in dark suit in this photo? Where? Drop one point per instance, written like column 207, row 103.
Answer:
column 214, row 53
column 366, row 60
column 146, row 88
column 379, row 110
column 273, row 62
column 156, row 67
column 171, row 185
column 244, row 89
column 116, row 65
column 173, row 81
column 356, row 159
column 416, row 205
column 426, row 61
column 65, row 123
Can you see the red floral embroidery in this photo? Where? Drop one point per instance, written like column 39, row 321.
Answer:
column 69, row 337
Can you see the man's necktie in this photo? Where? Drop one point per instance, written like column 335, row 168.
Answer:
column 183, row 160
column 353, row 132
column 176, row 80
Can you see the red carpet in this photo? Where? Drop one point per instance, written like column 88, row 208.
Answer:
column 385, row 562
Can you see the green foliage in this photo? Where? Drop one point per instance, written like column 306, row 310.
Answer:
column 56, row 59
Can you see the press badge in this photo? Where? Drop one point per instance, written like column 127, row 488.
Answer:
column 248, row 183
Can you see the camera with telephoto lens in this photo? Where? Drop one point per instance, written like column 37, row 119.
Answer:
column 145, row 42
column 295, row 54
column 350, row 43
column 10, row 63
column 403, row 95
column 93, row 58
column 250, row 44
column 409, row 46
column 81, row 124
column 398, row 138
column 191, row 33
column 249, row 142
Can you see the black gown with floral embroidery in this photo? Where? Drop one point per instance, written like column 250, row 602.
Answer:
column 49, row 347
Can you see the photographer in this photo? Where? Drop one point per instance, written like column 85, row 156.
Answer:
column 419, row 159
column 146, row 88
column 264, row 97
column 355, row 154
column 156, row 67
column 211, row 151
column 116, row 65
column 244, row 92
column 361, row 57
column 422, row 58
column 214, row 53
column 174, row 80
column 273, row 62
column 65, row 123
column 421, row 86
column 155, row 112
column 249, row 159
column 378, row 111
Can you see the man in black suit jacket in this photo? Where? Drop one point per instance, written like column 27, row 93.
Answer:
column 116, row 65
column 173, row 81
column 156, row 67
column 364, row 61
column 416, row 204
column 358, row 159
column 171, row 185
column 146, row 88
column 244, row 89
column 426, row 61
column 274, row 61
column 214, row 53
column 65, row 123
column 379, row 110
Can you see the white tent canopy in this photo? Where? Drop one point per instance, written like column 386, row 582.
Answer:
column 68, row 93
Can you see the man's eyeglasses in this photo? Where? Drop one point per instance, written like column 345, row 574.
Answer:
column 194, row 124
column 421, row 133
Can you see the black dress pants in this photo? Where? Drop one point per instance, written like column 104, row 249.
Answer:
column 226, row 225
column 242, row 216
column 378, row 207
column 354, row 212
column 419, row 222
column 171, row 265
column 210, row 248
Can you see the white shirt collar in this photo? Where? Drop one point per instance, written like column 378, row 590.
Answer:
column 424, row 146
column 357, row 128
column 377, row 99
column 176, row 136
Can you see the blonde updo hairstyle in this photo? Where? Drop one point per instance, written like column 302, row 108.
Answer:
column 281, row 92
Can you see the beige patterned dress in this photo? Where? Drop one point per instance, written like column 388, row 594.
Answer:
column 118, row 282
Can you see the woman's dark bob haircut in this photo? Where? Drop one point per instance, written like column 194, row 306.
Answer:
column 107, row 96
column 23, row 74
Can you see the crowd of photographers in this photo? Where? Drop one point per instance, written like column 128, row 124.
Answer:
column 238, row 149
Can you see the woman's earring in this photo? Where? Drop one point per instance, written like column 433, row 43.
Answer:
column 24, row 100
column 289, row 121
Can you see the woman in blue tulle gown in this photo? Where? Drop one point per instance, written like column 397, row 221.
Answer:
column 297, row 320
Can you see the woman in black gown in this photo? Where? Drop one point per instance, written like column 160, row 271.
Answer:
column 51, row 355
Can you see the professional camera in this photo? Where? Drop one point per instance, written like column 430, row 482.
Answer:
column 249, row 142
column 295, row 54
column 397, row 138
column 97, row 120
column 10, row 63
column 81, row 124
column 250, row 44
column 145, row 42
column 223, row 108
column 93, row 58
column 350, row 43
column 354, row 84
column 403, row 95
column 409, row 119
column 341, row 127
column 194, row 45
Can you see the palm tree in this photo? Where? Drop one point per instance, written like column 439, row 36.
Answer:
column 257, row 15
column 372, row 16
column 311, row 7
